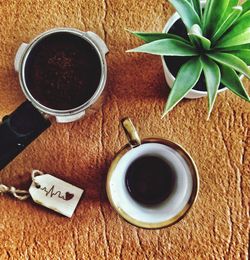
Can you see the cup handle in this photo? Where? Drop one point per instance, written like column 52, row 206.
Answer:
column 131, row 132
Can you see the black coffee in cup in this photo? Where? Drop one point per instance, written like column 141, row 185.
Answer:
column 63, row 71
column 150, row 180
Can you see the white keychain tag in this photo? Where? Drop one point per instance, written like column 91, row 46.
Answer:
column 49, row 192
column 55, row 194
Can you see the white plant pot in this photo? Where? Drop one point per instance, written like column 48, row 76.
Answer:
column 168, row 75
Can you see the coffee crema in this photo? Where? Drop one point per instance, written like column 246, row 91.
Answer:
column 63, row 71
column 150, row 180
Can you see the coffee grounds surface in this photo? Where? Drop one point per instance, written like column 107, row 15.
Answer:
column 63, row 71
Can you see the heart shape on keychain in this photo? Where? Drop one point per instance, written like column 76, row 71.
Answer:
column 69, row 196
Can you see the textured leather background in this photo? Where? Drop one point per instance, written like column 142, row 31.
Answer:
column 217, row 226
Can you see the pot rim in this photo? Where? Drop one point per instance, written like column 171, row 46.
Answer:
column 66, row 112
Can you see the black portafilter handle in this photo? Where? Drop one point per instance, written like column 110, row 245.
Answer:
column 18, row 130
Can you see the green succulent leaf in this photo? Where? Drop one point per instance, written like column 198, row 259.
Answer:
column 239, row 34
column 231, row 61
column 186, row 12
column 186, row 79
column 246, row 14
column 235, row 48
column 231, row 4
column 213, row 12
column 167, row 47
column 231, row 80
column 193, row 39
column 246, row 6
column 196, row 6
column 196, row 36
column 212, row 76
column 227, row 23
column 154, row 36
column 191, row 2
column 243, row 55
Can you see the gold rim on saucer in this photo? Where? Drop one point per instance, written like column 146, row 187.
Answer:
column 182, row 152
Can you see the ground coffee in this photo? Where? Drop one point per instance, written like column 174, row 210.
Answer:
column 63, row 71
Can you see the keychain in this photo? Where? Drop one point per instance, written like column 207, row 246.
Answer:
column 49, row 192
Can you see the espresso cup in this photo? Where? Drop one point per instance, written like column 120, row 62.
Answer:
column 184, row 188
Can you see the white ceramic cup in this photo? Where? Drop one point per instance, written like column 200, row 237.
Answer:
column 184, row 192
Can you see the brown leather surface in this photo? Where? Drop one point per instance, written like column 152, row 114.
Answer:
column 217, row 226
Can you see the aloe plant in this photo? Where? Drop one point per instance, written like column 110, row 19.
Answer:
column 218, row 45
